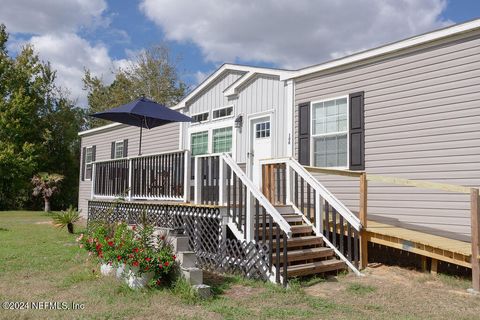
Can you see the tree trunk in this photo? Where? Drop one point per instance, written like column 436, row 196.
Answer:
column 70, row 227
column 47, row 204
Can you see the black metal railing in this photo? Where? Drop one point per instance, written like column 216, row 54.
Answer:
column 111, row 178
column 209, row 179
column 158, row 176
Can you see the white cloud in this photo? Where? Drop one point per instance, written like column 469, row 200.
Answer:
column 51, row 16
column 290, row 33
column 53, row 26
column 70, row 54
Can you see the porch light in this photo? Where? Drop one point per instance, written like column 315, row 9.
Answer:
column 239, row 121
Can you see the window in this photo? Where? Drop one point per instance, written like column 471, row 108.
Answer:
column 262, row 130
column 222, row 113
column 222, row 140
column 329, row 133
column 200, row 117
column 199, row 143
column 88, row 163
column 119, row 149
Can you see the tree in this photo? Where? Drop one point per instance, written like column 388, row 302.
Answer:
column 46, row 185
column 38, row 128
column 152, row 74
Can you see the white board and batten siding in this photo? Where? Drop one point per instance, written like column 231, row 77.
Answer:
column 263, row 94
column 160, row 139
column 422, row 121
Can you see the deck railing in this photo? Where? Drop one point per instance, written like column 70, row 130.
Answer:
column 286, row 182
column 220, row 181
column 162, row 176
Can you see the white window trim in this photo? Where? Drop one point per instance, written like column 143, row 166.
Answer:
column 224, row 117
column 87, row 163
column 213, row 129
column 313, row 136
column 209, row 127
column 269, row 130
column 123, row 148
column 201, row 122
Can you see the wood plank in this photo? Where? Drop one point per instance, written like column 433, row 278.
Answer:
column 337, row 172
column 475, row 212
column 419, row 184
column 363, row 220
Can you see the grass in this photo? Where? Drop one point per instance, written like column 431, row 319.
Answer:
column 41, row 263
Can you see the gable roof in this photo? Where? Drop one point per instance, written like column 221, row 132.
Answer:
column 389, row 48
column 249, row 71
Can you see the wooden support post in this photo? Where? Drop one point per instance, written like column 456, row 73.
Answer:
column 249, row 219
column 423, row 263
column 130, row 172
column 186, row 176
column 197, row 183
column 221, row 180
column 92, row 191
column 363, row 221
column 475, row 212
column 288, row 184
column 434, row 267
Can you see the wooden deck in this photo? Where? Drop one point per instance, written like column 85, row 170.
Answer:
column 424, row 244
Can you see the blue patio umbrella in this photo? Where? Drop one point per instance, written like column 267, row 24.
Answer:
column 143, row 113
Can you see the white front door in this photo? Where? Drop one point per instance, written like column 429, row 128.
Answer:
column 260, row 146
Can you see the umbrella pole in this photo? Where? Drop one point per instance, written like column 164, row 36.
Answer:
column 140, row 146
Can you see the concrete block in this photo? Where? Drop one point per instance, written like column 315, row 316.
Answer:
column 187, row 259
column 194, row 276
column 203, row 290
column 180, row 243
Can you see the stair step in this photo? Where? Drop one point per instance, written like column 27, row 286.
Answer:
column 305, row 254
column 290, row 219
column 285, row 209
column 304, row 228
column 296, row 230
column 314, row 267
column 301, row 242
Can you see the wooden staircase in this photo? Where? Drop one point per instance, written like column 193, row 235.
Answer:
column 306, row 252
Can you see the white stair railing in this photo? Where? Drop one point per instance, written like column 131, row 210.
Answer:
column 339, row 227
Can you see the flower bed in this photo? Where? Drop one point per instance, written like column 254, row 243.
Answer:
column 131, row 253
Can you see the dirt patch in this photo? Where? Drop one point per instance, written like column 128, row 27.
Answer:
column 395, row 291
column 239, row 292
column 44, row 222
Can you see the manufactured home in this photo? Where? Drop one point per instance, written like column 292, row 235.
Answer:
column 308, row 168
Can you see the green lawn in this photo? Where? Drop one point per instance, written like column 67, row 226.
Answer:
column 40, row 263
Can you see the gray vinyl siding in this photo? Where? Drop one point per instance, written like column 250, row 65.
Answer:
column 160, row 139
column 260, row 94
column 422, row 121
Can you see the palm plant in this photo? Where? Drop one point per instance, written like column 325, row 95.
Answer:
column 66, row 218
column 46, row 185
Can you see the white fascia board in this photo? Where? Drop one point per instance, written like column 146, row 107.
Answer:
column 232, row 89
column 105, row 127
column 396, row 46
column 230, row 67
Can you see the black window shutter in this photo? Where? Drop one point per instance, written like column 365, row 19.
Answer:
column 304, row 133
column 94, row 153
column 357, row 131
column 125, row 148
column 112, row 151
column 82, row 174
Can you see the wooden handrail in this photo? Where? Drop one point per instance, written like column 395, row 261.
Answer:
column 392, row 180
column 419, row 184
column 277, row 217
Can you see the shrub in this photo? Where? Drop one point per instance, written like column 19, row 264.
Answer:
column 66, row 219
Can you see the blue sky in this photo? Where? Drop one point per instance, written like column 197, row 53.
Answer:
column 102, row 35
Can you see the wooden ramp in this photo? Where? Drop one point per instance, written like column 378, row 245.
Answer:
column 424, row 244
